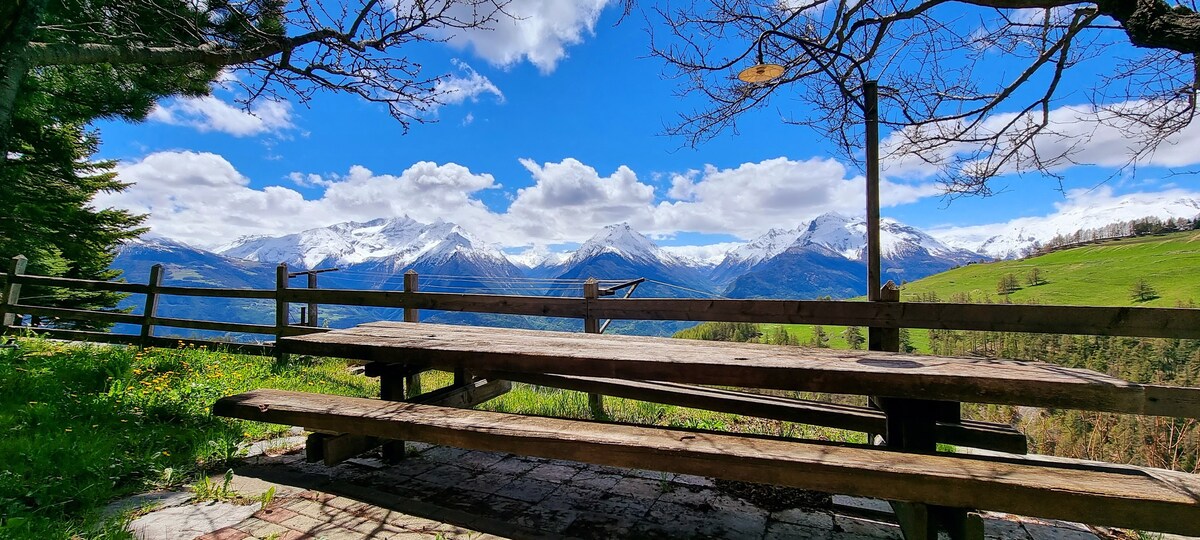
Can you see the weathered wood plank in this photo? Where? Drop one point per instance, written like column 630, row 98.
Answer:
column 215, row 326
column 302, row 330
column 152, row 341
column 84, row 284
column 338, row 447
column 986, row 435
column 746, row 365
column 466, row 395
column 1112, row 495
column 1088, row 320
column 259, row 294
column 546, row 306
column 77, row 314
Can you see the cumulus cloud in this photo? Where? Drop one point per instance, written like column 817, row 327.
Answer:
column 753, row 197
column 1075, row 135
column 201, row 198
column 1080, row 209
column 538, row 31
column 209, row 113
column 569, row 201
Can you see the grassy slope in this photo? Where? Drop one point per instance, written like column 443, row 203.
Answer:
column 1099, row 275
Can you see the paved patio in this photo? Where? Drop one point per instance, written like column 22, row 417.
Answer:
column 442, row 492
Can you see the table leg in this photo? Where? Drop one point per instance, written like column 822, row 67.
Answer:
column 911, row 425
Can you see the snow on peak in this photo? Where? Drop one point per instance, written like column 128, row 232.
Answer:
column 774, row 242
column 537, row 256
column 622, row 240
column 403, row 239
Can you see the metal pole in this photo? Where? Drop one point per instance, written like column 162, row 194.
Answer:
column 871, row 114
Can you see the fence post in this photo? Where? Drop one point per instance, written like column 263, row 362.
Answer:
column 311, row 319
column 883, row 339
column 281, row 308
column 591, row 325
column 12, row 291
column 413, row 382
column 151, row 310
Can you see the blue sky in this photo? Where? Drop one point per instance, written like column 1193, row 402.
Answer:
column 556, row 130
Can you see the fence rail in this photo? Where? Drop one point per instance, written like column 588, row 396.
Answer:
column 887, row 316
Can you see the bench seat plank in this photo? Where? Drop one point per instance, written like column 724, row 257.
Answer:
column 748, row 365
column 1120, row 496
column 974, row 434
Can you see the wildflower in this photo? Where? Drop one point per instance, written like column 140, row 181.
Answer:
column 166, row 453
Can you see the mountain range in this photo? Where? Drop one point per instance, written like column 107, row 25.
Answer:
column 825, row 257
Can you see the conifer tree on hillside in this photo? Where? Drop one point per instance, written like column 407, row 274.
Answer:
column 1142, row 291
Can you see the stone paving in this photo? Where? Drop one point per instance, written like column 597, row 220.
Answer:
column 441, row 492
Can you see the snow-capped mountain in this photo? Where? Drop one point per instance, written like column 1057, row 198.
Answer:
column 740, row 259
column 375, row 254
column 403, row 240
column 828, row 256
column 623, row 241
column 618, row 252
column 1020, row 236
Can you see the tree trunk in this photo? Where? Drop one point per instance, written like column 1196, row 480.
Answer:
column 14, row 62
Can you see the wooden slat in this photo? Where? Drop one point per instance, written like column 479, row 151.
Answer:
column 77, row 314
column 81, row 335
column 986, row 435
column 85, row 284
column 746, row 365
column 215, row 326
column 152, row 341
column 1088, row 320
column 265, row 294
column 547, row 306
column 466, row 395
column 1112, row 495
column 332, row 448
column 302, row 330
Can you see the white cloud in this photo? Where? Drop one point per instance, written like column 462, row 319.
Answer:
column 454, row 90
column 1075, row 135
column 570, row 200
column 209, row 113
column 1080, row 209
column 202, row 199
column 538, row 31
column 753, row 197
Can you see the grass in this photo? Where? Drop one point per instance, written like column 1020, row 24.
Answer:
column 1096, row 275
column 84, row 425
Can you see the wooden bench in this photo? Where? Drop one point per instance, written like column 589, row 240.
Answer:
column 1112, row 495
column 917, row 396
column 968, row 433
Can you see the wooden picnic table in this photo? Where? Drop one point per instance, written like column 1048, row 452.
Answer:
column 917, row 398
column 747, row 365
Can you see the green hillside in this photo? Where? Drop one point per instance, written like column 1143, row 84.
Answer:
column 1097, row 275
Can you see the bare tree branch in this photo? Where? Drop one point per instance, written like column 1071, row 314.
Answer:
column 947, row 110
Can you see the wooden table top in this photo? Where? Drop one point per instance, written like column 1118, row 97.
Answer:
column 747, row 365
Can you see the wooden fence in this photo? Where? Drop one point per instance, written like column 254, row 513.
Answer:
column 592, row 307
